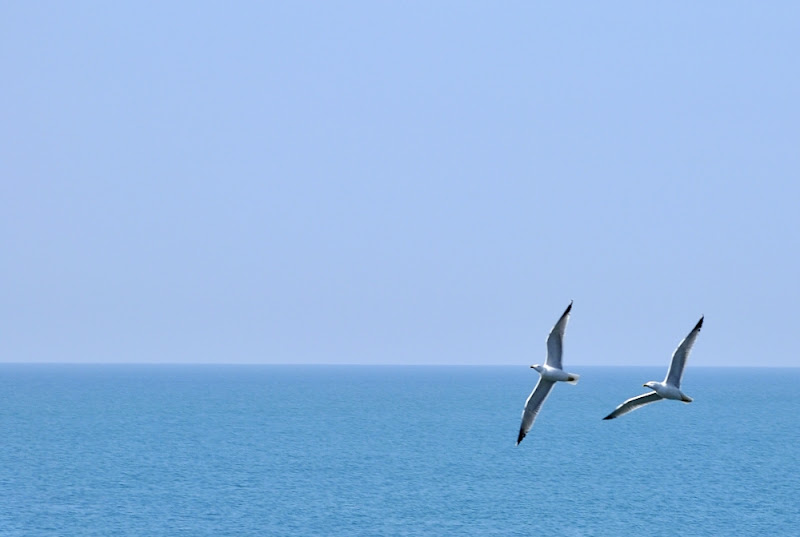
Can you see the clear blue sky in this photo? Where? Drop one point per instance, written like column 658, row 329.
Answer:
column 399, row 182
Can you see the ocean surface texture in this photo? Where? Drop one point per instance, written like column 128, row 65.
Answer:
column 136, row 450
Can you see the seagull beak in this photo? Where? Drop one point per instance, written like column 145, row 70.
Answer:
column 644, row 385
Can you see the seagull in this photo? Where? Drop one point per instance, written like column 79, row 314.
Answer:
column 670, row 388
column 550, row 372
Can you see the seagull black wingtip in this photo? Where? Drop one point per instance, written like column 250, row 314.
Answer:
column 699, row 324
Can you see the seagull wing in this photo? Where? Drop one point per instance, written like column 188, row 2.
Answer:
column 633, row 403
column 555, row 341
column 532, row 406
column 680, row 355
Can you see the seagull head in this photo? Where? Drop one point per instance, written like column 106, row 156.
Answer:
column 537, row 367
column 650, row 384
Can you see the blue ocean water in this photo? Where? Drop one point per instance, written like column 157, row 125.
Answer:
column 137, row 450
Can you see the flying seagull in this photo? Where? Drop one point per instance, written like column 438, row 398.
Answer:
column 670, row 388
column 550, row 372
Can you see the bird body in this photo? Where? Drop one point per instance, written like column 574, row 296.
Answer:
column 667, row 391
column 555, row 374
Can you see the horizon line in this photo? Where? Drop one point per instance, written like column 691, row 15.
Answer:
column 370, row 364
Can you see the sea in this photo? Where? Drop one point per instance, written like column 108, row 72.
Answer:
column 318, row 450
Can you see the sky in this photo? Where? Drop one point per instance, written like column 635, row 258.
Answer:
column 399, row 182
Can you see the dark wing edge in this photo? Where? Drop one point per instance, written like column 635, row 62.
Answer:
column 533, row 405
column 555, row 339
column 633, row 403
column 681, row 355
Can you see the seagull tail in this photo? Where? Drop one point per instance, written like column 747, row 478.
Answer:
column 573, row 378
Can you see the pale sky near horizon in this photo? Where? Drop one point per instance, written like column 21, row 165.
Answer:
column 399, row 182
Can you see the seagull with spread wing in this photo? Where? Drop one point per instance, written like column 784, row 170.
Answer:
column 550, row 373
column 670, row 388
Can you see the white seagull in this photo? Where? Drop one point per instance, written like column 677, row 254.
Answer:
column 550, row 372
column 670, row 388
